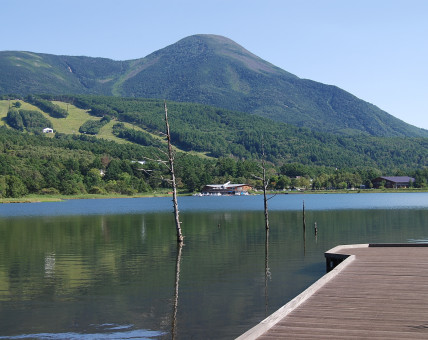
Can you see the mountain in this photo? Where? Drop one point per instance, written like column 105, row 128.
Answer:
column 206, row 69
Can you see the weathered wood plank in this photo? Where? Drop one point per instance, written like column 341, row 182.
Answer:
column 379, row 292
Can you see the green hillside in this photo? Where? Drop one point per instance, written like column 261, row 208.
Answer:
column 206, row 130
column 116, row 153
column 27, row 73
column 206, row 69
column 77, row 117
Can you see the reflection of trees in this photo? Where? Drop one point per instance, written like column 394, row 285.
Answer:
column 65, row 260
column 88, row 277
column 177, row 279
column 64, row 255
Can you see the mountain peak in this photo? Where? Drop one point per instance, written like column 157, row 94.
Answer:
column 207, row 69
column 225, row 47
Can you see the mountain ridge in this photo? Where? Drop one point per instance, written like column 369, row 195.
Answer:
column 206, row 69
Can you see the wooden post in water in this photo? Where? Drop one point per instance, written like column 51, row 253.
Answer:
column 172, row 172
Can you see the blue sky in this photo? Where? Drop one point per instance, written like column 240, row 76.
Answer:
column 375, row 49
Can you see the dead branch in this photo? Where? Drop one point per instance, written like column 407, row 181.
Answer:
column 174, row 186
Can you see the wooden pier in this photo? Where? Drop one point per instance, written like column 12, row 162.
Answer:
column 377, row 291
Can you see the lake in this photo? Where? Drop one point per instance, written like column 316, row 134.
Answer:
column 111, row 269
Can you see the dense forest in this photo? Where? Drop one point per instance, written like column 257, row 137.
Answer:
column 82, row 164
column 31, row 162
column 224, row 133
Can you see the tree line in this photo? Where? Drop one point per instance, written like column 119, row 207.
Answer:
column 47, row 106
column 296, row 158
column 82, row 164
column 27, row 120
column 223, row 133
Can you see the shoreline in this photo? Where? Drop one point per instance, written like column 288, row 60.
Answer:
column 34, row 198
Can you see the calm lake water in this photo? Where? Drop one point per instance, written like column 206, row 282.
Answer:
column 111, row 269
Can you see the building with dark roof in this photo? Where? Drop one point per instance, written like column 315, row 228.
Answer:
column 393, row 182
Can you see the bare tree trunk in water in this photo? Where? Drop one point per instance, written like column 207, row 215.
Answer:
column 174, row 185
column 265, row 185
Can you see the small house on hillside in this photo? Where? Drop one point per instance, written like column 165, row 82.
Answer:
column 393, row 182
column 226, row 189
column 47, row 130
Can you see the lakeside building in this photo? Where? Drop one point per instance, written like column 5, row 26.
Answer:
column 226, row 189
column 393, row 182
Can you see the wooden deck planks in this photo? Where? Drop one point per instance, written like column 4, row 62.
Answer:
column 381, row 292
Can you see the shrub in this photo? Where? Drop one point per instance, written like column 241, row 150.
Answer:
column 49, row 191
column 97, row 190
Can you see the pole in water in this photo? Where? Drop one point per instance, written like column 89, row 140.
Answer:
column 304, row 220
column 315, row 228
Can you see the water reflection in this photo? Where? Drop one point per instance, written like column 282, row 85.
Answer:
column 177, row 280
column 84, row 271
column 304, row 229
column 49, row 265
column 268, row 274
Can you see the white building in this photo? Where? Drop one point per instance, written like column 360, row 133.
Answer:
column 226, row 189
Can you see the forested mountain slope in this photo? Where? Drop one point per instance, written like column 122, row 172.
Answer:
column 111, row 145
column 205, row 69
column 216, row 71
column 26, row 73
column 222, row 133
